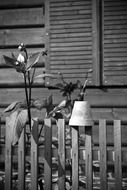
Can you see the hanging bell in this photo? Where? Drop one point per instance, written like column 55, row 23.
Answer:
column 81, row 114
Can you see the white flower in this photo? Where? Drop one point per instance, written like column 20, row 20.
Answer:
column 21, row 58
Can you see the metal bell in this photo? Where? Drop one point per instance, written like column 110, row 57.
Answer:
column 81, row 114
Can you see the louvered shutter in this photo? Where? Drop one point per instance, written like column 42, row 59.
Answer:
column 71, row 38
column 115, row 42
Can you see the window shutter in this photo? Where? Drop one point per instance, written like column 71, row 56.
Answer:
column 71, row 38
column 115, row 42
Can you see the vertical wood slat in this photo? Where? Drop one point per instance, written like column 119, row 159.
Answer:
column 118, row 159
column 47, row 32
column 21, row 161
column 96, row 41
column 34, row 156
column 8, row 159
column 103, row 154
column 75, row 158
column 88, row 161
column 48, row 154
column 61, row 154
column 0, row 130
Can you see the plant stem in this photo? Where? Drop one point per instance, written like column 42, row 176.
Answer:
column 29, row 87
column 28, row 102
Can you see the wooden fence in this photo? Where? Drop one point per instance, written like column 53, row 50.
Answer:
column 46, row 158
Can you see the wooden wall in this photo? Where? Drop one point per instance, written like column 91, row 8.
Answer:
column 20, row 22
column 115, row 42
column 79, row 35
column 71, row 38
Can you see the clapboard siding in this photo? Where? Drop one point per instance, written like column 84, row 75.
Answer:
column 20, row 3
column 20, row 22
column 71, row 38
column 115, row 42
column 73, row 48
column 21, row 16
column 27, row 36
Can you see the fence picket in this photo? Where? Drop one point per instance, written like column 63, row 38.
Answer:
column 48, row 154
column 75, row 158
column 34, row 156
column 21, row 161
column 103, row 154
column 88, row 161
column 61, row 154
column 118, row 159
column 8, row 159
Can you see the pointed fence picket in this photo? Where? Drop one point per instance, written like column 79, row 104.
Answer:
column 47, row 157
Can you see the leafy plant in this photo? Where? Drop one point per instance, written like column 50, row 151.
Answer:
column 64, row 108
column 20, row 112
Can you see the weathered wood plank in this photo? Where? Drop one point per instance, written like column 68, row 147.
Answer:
column 67, row 3
column 71, row 53
column 97, row 98
column 70, row 30
column 11, row 76
column 53, row 1
column 88, row 157
column 72, row 35
column 103, row 154
column 8, row 159
column 27, row 36
column 76, row 21
column 73, row 57
column 73, row 25
column 118, row 156
column 48, row 155
column 61, row 154
column 16, row 3
column 96, row 41
column 18, row 17
column 47, row 28
column 70, row 8
column 116, row 8
column 71, row 62
column 21, row 161
column 34, row 155
column 116, row 49
column 70, row 17
column 116, row 36
column 64, row 67
column 75, row 158
column 86, row 47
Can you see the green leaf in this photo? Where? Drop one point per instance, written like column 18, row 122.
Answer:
column 59, row 85
column 46, row 75
column 13, row 56
column 20, row 67
column 10, row 61
column 32, row 60
column 37, row 104
column 15, row 124
column 42, row 104
column 13, row 106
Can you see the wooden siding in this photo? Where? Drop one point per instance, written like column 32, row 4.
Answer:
column 73, row 47
column 20, row 22
column 115, row 42
column 71, row 38
column 103, row 164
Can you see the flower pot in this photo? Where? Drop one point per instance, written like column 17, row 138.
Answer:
column 81, row 114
